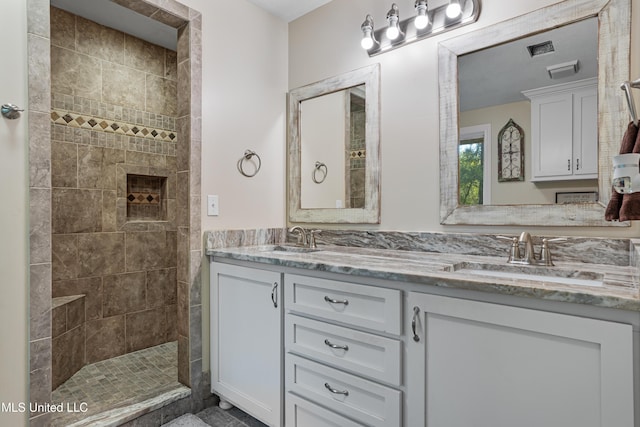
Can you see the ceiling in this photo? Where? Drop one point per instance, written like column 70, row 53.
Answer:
column 288, row 10
column 112, row 15
column 499, row 74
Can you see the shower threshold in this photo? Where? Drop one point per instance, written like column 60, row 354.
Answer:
column 114, row 391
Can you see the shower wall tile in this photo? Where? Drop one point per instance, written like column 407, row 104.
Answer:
column 91, row 288
column 141, row 7
column 196, row 338
column 63, row 25
column 161, row 95
column 97, row 166
column 86, row 215
column 58, row 321
column 75, row 74
column 184, row 83
column 101, row 254
column 168, row 18
column 40, row 301
column 99, row 41
column 105, row 338
column 64, row 164
column 67, row 355
column 183, row 308
column 144, row 56
column 39, row 150
column 172, row 322
column 161, row 288
column 39, row 91
column 146, row 159
column 150, row 250
column 64, row 253
column 40, row 354
column 75, row 313
column 123, row 86
column 38, row 17
column 183, row 359
column 195, row 291
column 109, row 213
column 40, row 225
column 171, row 65
column 124, row 293
column 146, row 329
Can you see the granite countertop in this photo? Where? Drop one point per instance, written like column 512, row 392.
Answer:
column 618, row 285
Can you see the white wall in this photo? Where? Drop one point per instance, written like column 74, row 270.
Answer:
column 326, row 43
column 244, row 87
column 13, row 214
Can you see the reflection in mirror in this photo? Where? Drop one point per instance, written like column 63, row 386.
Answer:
column 333, row 149
column 491, row 85
column 531, row 203
column 334, row 146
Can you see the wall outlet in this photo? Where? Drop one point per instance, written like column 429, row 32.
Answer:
column 213, row 209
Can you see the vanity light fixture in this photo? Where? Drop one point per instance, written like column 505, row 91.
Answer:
column 426, row 23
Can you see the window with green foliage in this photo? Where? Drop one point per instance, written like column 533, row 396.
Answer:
column 470, row 159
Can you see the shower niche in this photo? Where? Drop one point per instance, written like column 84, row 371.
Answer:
column 146, row 198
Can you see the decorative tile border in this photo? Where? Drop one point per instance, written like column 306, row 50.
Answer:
column 68, row 118
column 358, row 154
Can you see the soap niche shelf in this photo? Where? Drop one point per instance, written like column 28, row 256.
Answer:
column 146, row 198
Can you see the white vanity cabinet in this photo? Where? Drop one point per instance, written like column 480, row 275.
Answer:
column 564, row 131
column 343, row 362
column 484, row 364
column 246, row 339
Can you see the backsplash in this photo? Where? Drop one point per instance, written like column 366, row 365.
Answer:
column 574, row 249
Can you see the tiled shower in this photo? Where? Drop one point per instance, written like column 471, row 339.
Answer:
column 114, row 191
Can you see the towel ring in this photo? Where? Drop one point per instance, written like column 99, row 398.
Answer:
column 248, row 154
column 323, row 169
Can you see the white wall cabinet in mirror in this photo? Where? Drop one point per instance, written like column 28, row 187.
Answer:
column 607, row 25
column 334, row 149
column 564, row 131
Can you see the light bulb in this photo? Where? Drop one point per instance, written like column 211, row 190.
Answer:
column 422, row 19
column 366, row 42
column 454, row 9
column 393, row 33
column 421, row 22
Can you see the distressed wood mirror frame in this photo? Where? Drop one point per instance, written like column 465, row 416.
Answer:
column 614, row 18
column 370, row 77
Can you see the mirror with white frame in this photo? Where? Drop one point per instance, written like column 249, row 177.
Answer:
column 334, row 149
column 613, row 40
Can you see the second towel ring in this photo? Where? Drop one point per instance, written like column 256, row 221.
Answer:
column 248, row 154
column 323, row 169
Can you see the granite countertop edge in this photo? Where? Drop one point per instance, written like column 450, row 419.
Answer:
column 619, row 290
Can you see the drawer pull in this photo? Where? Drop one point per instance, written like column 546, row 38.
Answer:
column 416, row 312
column 335, row 301
column 336, row 346
column 334, row 391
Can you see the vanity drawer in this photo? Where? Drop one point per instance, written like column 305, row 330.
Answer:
column 302, row 413
column 367, row 354
column 361, row 400
column 369, row 307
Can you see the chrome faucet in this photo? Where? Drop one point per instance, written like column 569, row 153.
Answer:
column 302, row 234
column 529, row 257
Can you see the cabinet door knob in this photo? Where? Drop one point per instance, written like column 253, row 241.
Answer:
column 335, row 301
column 336, row 346
column 334, row 391
column 274, row 294
column 416, row 312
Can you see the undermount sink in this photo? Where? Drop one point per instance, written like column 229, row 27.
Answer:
column 531, row 272
column 292, row 249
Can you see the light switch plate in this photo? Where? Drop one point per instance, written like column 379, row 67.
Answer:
column 213, row 208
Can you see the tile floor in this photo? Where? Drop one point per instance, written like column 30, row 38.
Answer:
column 130, row 379
column 234, row 417
column 118, row 382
